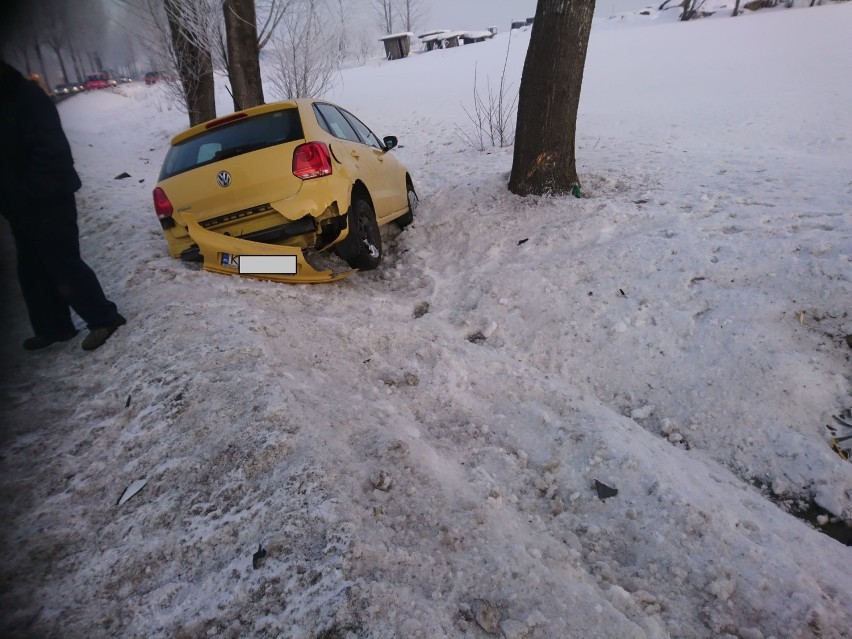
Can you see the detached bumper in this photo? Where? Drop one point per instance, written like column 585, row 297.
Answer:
column 220, row 250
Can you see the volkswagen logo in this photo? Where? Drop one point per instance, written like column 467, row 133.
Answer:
column 223, row 179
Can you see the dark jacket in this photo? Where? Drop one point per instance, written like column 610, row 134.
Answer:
column 35, row 158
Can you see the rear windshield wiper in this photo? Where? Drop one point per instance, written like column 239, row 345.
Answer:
column 238, row 150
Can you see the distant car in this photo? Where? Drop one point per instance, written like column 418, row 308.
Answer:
column 123, row 79
column 97, row 81
column 292, row 180
column 151, row 77
column 63, row 89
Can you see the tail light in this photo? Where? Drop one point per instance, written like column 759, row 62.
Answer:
column 311, row 160
column 163, row 208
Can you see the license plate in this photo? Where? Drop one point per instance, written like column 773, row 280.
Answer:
column 268, row 265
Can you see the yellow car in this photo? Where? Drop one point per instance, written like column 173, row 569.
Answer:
column 270, row 191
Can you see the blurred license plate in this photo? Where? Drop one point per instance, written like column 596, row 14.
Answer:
column 267, row 264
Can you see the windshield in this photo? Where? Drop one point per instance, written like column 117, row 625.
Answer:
column 242, row 136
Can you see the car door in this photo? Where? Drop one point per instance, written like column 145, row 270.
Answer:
column 388, row 172
column 345, row 148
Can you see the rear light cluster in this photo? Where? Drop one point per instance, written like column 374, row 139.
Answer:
column 163, row 208
column 311, row 160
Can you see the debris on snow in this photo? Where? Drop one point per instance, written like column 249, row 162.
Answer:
column 131, row 490
column 421, row 309
column 258, row 557
column 604, row 491
column 487, row 615
column 381, row 481
column 476, row 338
column 411, row 379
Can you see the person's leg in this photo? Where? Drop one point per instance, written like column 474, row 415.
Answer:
column 59, row 251
column 48, row 311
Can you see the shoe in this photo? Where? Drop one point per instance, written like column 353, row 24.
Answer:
column 36, row 342
column 97, row 336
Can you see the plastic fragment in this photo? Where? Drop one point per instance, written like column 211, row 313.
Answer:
column 604, row 491
column 258, row 557
column 132, row 489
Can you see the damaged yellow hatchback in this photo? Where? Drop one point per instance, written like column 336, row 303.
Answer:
column 270, row 191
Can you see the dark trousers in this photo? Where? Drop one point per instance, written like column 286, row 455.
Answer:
column 53, row 276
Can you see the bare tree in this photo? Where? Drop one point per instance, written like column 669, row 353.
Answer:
column 15, row 39
column 492, row 114
column 383, row 10
column 356, row 34
column 56, row 34
column 243, row 60
column 36, row 45
column 411, row 12
column 190, row 31
column 308, row 61
column 268, row 15
column 79, row 70
column 544, row 159
column 343, row 19
column 271, row 13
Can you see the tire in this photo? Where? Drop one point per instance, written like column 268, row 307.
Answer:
column 362, row 248
column 408, row 217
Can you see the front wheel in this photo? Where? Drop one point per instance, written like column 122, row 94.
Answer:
column 362, row 249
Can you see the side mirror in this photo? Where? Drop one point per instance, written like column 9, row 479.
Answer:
column 390, row 142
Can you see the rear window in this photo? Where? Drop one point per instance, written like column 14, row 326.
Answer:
column 230, row 140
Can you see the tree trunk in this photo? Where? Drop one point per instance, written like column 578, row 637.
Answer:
column 57, row 50
column 24, row 50
column 736, row 9
column 195, row 67
column 41, row 64
column 544, row 160
column 78, row 65
column 243, row 53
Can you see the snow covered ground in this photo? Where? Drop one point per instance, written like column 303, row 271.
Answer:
column 416, row 448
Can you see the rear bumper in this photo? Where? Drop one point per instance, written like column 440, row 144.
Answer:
column 213, row 246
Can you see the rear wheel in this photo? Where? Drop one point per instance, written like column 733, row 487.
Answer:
column 408, row 217
column 362, row 249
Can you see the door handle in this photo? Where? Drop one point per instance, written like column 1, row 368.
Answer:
column 355, row 154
